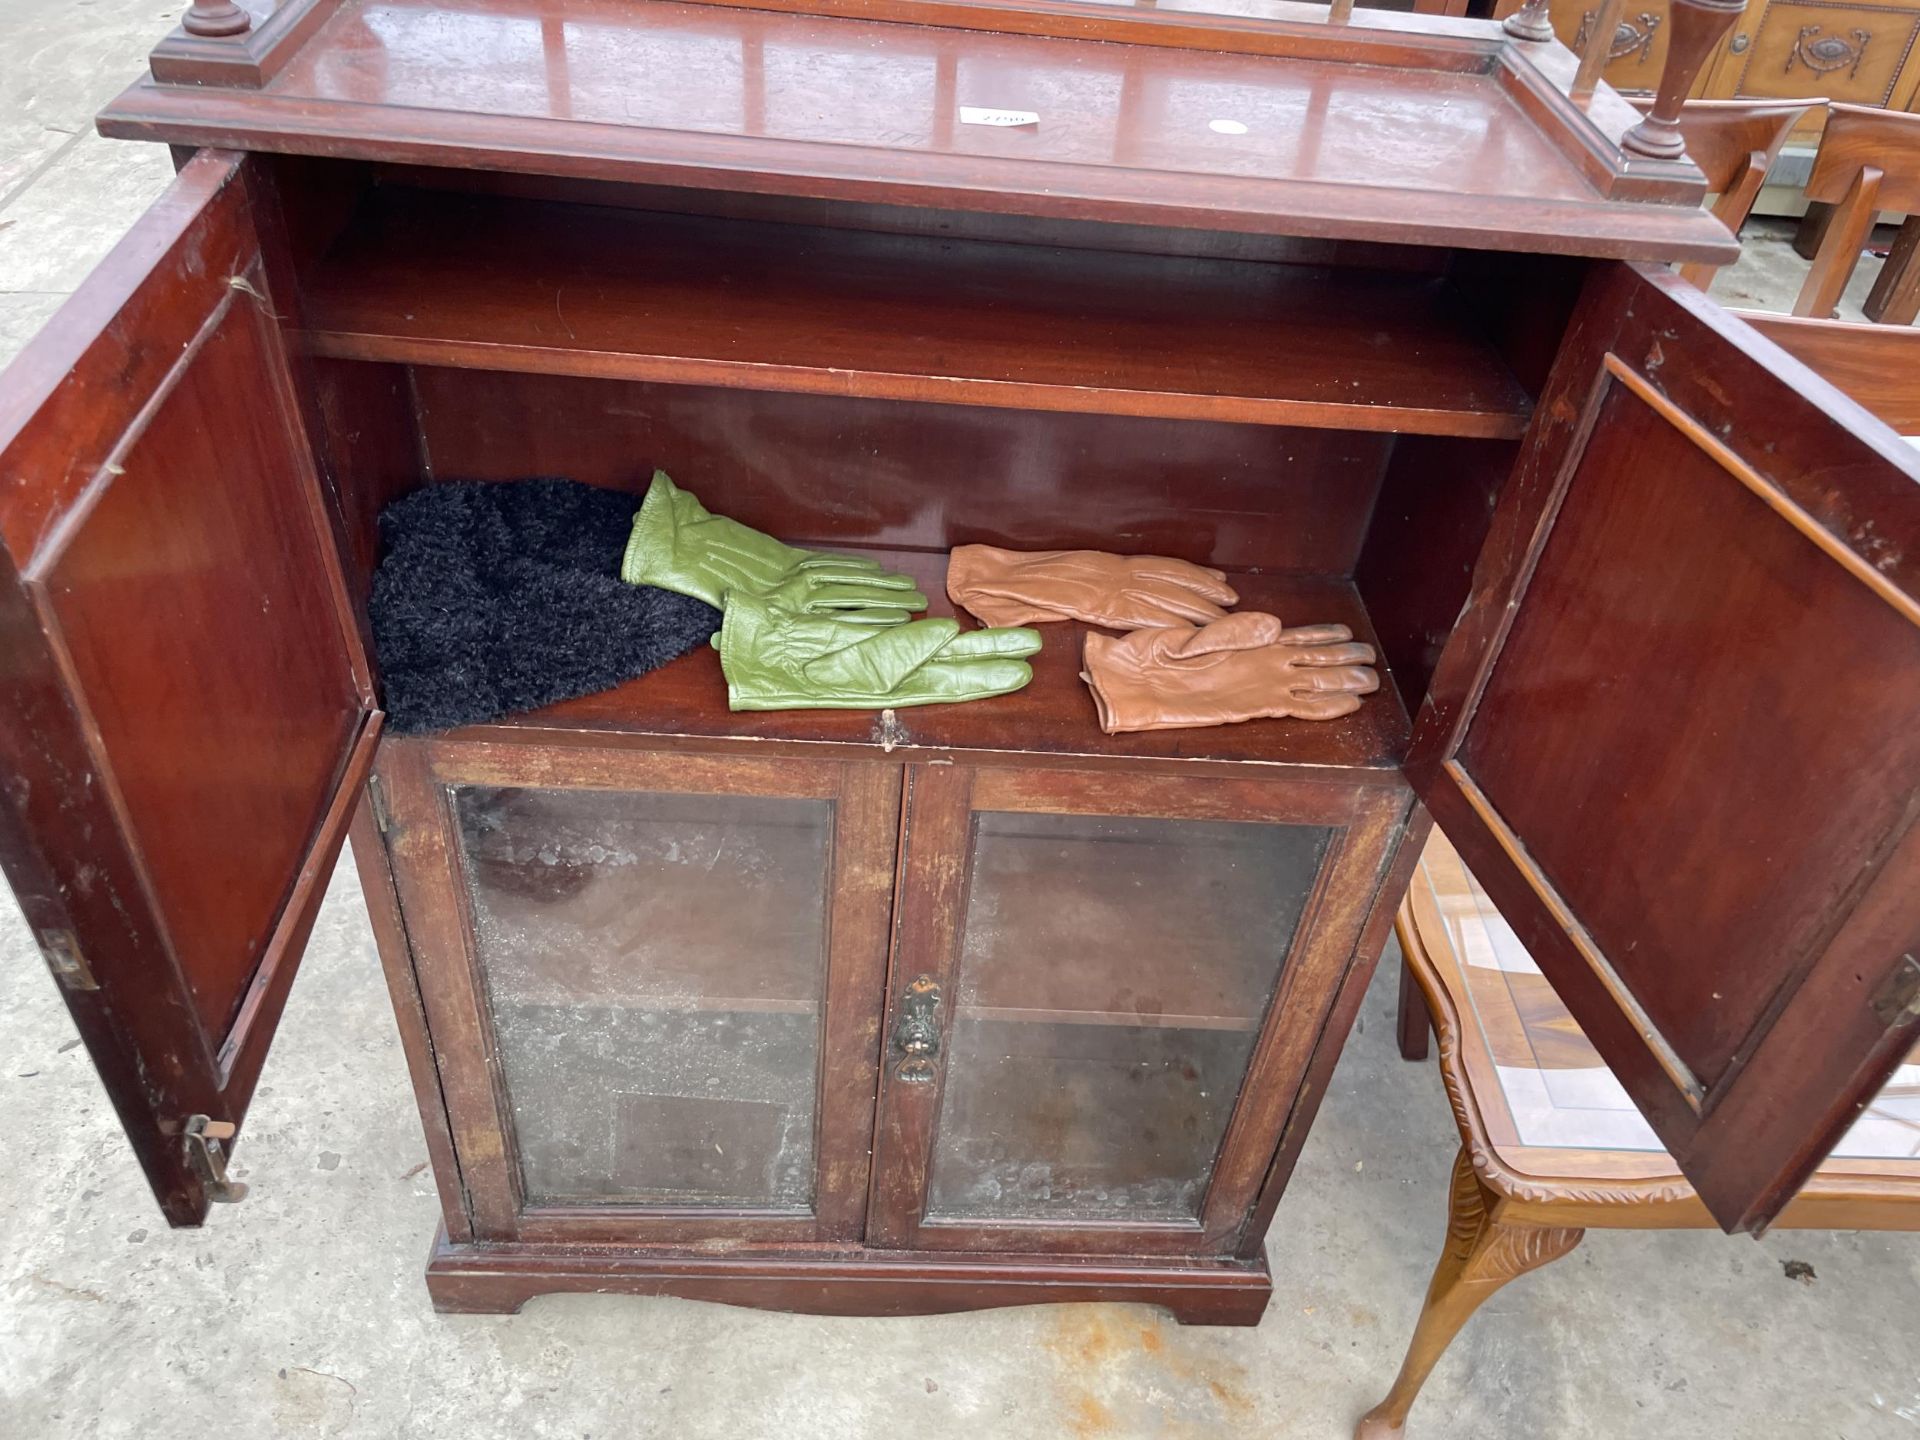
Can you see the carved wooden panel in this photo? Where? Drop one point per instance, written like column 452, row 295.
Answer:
column 1639, row 46
column 1794, row 49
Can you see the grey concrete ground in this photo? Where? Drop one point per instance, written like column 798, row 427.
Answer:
column 301, row 1312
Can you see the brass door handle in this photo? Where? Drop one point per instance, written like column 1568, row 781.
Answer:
column 916, row 1031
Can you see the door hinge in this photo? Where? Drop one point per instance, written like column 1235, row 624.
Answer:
column 1898, row 999
column 62, row 951
column 377, row 798
column 206, row 1142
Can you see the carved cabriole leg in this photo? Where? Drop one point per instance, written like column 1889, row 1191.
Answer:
column 1481, row 1255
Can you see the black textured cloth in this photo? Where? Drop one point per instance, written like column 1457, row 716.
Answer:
column 494, row 597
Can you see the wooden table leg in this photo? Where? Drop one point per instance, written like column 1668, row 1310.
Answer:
column 1411, row 1020
column 1812, row 229
column 1895, row 297
column 1481, row 1255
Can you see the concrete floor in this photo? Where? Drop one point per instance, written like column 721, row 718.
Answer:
column 301, row 1312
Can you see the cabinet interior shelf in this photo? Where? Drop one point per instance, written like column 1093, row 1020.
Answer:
column 516, row 284
column 1052, row 717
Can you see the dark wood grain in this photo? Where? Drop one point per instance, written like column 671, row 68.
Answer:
column 1485, row 146
column 1330, row 1039
column 1422, row 544
column 187, row 704
column 416, row 1040
column 937, row 868
column 1328, row 946
column 487, row 283
column 1689, row 710
column 1895, row 296
column 1877, row 365
column 1051, row 721
column 430, row 867
column 1734, row 142
column 1868, row 161
column 935, row 836
column 248, row 59
column 779, row 265
column 1858, row 136
column 498, row 1279
column 825, row 471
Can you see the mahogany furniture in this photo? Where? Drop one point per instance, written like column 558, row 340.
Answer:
column 1734, row 142
column 1779, row 51
column 1868, row 161
column 968, row 1005
column 1879, row 366
column 1550, row 1146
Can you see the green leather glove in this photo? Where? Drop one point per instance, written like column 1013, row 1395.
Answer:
column 677, row 544
column 775, row 660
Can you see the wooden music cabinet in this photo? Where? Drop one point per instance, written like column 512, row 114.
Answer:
column 967, row 1005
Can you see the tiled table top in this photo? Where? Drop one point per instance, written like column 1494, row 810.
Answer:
column 1554, row 1091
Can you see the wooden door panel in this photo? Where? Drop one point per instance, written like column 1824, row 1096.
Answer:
column 1675, row 730
column 188, row 714
column 1808, row 49
column 1102, row 997
column 653, row 983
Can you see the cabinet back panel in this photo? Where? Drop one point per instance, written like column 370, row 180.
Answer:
column 1436, row 505
column 826, row 470
column 368, row 447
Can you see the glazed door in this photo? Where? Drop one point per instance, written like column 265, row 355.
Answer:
column 653, row 984
column 1677, row 731
column 1104, row 990
column 185, row 714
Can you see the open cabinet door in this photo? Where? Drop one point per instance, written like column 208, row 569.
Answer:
column 185, row 714
column 1676, row 733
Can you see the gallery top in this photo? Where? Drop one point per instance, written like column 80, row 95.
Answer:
column 1269, row 120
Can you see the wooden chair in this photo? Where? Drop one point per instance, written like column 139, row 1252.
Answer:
column 1550, row 1146
column 1869, row 161
column 1878, row 365
column 1734, row 142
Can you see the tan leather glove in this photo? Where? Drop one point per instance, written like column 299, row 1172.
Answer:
column 1122, row 592
column 1243, row 667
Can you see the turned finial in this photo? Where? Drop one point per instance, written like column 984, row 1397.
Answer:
column 1529, row 22
column 1693, row 29
column 215, row 17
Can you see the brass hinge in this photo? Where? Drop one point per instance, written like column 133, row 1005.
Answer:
column 377, row 798
column 62, row 951
column 206, row 1142
column 1898, row 999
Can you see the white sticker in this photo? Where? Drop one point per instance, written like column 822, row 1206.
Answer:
column 1005, row 119
column 1227, row 127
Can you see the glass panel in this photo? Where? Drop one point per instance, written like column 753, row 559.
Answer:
column 1113, row 977
column 656, row 970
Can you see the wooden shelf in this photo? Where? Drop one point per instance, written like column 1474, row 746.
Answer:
column 506, row 283
column 1052, row 717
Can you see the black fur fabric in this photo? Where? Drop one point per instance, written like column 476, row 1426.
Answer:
column 494, row 597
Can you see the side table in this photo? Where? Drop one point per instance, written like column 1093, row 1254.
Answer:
column 1550, row 1144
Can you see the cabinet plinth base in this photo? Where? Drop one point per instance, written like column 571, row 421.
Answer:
column 497, row 1279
